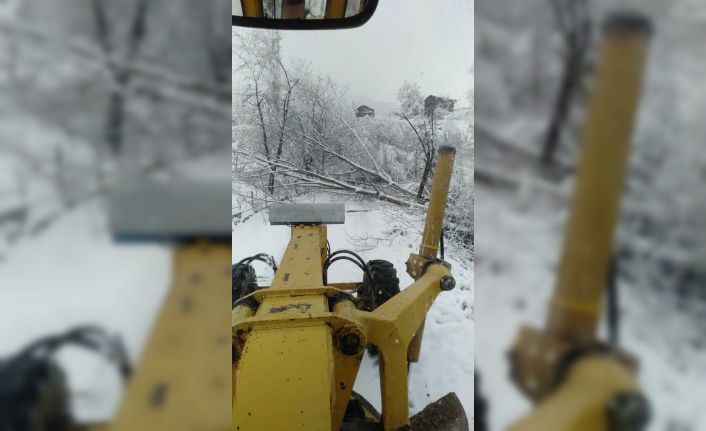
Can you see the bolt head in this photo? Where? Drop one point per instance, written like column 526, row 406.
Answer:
column 447, row 283
column 628, row 411
column 349, row 344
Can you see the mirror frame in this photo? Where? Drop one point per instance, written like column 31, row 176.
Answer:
column 301, row 24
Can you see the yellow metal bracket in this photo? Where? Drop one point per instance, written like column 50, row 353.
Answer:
column 182, row 380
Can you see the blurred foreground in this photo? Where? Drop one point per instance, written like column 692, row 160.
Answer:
column 94, row 93
column 536, row 76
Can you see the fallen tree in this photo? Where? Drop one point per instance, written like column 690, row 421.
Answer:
column 308, row 180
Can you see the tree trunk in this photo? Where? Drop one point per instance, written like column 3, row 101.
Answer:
column 271, row 182
column 563, row 102
column 115, row 116
column 425, row 177
column 115, row 119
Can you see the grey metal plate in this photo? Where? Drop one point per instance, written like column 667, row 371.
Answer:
column 173, row 209
column 288, row 214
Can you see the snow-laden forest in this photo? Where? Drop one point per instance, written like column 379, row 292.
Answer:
column 535, row 64
column 92, row 92
column 296, row 132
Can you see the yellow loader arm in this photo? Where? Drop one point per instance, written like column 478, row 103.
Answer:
column 577, row 382
column 298, row 343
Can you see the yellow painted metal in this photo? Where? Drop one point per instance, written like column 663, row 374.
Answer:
column 432, row 229
column 294, row 367
column 415, row 346
column 535, row 361
column 344, row 286
column 580, row 403
column 437, row 203
column 324, row 250
column 252, row 8
column 392, row 327
column 588, row 242
column 276, row 393
column 183, row 379
column 346, row 366
column 302, row 265
column 240, row 312
column 289, row 362
column 283, row 310
column 336, row 9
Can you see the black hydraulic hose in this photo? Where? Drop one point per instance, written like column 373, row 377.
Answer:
column 348, row 258
column 340, row 255
column 480, row 405
column 338, row 252
column 613, row 303
column 89, row 337
column 262, row 257
column 329, row 262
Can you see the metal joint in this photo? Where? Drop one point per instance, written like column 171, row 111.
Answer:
column 447, row 283
column 350, row 342
column 338, row 297
column 628, row 412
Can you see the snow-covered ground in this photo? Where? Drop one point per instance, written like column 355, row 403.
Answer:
column 70, row 272
column 74, row 274
column 379, row 231
column 517, row 248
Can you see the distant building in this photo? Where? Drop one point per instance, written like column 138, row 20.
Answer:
column 432, row 102
column 364, row 111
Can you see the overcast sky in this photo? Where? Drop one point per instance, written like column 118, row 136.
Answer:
column 422, row 41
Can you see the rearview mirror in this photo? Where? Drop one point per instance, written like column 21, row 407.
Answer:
column 302, row 14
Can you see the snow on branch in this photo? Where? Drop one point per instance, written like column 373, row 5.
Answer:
column 171, row 86
column 313, row 180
